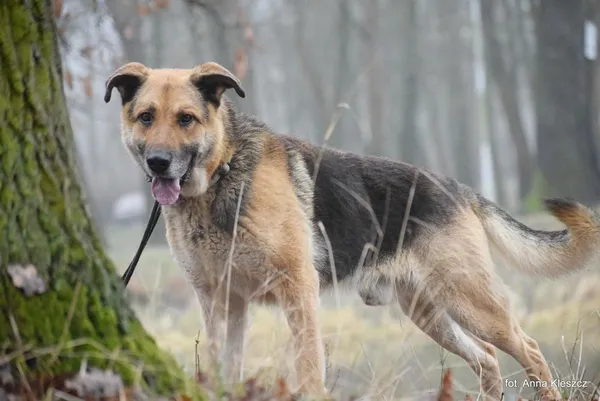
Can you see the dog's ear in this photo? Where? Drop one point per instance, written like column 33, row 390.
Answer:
column 127, row 80
column 212, row 80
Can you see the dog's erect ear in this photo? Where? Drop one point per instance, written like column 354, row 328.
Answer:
column 212, row 80
column 127, row 80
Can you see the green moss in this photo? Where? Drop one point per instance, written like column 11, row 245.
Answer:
column 43, row 221
column 91, row 334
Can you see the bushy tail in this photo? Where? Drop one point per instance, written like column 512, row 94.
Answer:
column 545, row 253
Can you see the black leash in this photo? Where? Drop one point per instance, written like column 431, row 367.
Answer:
column 154, row 216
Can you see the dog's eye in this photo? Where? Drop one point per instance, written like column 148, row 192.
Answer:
column 146, row 118
column 185, row 119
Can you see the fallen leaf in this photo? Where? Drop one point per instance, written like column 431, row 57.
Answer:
column 158, row 4
column 69, row 79
column 445, row 393
column 57, row 6
column 282, row 392
column 87, row 86
column 27, row 278
column 95, row 382
column 143, row 9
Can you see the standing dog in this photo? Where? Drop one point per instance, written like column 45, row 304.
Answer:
column 290, row 218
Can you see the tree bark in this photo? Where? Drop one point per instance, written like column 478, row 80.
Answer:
column 411, row 149
column 83, row 312
column 565, row 130
column 506, row 83
column 378, row 140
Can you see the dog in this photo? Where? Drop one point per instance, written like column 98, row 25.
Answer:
column 291, row 219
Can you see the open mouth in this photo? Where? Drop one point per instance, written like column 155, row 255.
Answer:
column 167, row 190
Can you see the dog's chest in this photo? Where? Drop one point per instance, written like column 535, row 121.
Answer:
column 192, row 234
column 204, row 250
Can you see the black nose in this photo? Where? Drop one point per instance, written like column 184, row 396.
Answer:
column 159, row 161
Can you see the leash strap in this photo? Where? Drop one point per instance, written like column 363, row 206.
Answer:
column 154, row 216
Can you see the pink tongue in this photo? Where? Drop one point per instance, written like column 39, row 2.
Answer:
column 166, row 190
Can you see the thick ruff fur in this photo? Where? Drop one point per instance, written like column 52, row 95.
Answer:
column 291, row 218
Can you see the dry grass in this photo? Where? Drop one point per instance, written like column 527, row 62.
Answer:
column 372, row 351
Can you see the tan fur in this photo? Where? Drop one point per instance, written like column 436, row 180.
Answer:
column 447, row 286
column 544, row 258
column 445, row 281
column 269, row 261
column 579, row 219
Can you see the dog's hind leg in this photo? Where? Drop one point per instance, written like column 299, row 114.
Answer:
column 474, row 297
column 486, row 314
column 437, row 324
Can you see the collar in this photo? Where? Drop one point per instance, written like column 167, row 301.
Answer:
column 220, row 172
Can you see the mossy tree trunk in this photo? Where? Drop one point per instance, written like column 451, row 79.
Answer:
column 43, row 222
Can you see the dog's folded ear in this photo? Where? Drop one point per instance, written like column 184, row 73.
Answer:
column 127, row 79
column 212, row 80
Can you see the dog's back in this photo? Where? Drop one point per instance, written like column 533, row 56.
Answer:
column 362, row 203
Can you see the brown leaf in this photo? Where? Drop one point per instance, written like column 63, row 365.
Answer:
column 282, row 392
column 69, row 79
column 86, row 384
column 159, row 4
column 445, row 393
column 57, row 6
column 27, row 278
column 143, row 9
column 240, row 67
column 87, row 86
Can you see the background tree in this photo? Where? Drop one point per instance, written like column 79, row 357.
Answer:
column 70, row 304
column 565, row 85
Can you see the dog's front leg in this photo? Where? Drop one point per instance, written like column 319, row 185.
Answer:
column 226, row 323
column 235, row 341
column 299, row 298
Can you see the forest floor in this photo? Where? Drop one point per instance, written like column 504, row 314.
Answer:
column 375, row 351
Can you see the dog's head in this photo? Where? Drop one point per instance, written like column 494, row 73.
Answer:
column 173, row 124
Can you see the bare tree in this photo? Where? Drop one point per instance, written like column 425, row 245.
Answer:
column 564, row 98
column 504, row 80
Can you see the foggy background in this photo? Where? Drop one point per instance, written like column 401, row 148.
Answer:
column 500, row 94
